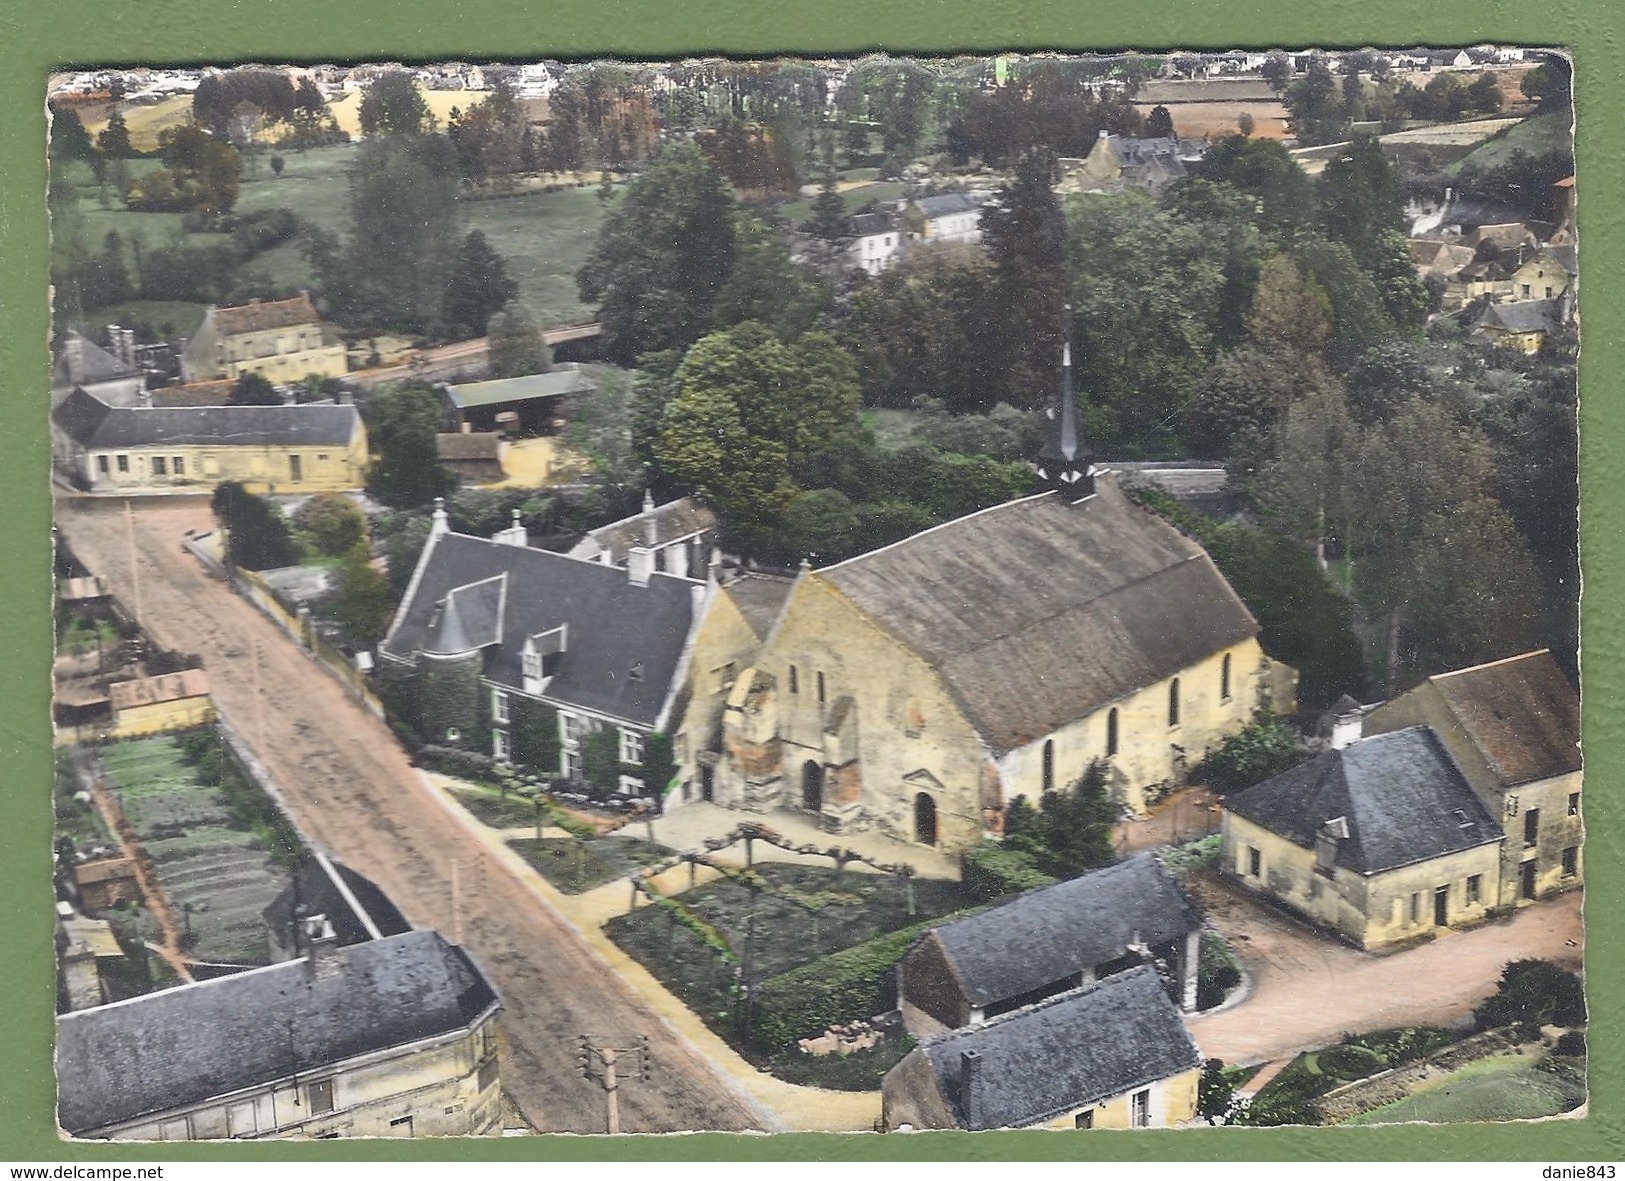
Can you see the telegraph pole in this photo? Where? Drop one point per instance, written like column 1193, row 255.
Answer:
column 135, row 567
column 456, row 906
column 598, row 1064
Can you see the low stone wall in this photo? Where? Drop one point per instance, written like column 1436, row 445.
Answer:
column 1390, row 1086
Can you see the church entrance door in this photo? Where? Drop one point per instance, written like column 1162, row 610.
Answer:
column 925, row 819
column 812, row 786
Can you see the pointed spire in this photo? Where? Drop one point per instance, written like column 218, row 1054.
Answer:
column 1064, row 463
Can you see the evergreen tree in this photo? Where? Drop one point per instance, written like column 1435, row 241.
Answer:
column 829, row 221
column 393, row 105
column 69, row 139
column 252, row 389
column 114, row 139
column 1024, row 230
column 1159, row 124
column 477, row 288
column 515, row 344
column 1071, row 831
column 257, row 534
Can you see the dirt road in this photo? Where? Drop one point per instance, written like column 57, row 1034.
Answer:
column 350, row 788
column 1309, row 990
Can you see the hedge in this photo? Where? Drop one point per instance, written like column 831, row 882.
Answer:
column 459, row 764
column 992, row 871
column 855, row 982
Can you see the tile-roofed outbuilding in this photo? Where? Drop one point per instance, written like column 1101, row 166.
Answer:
column 261, row 315
column 184, row 1045
column 1051, row 933
column 1521, row 714
column 1069, row 1051
column 495, row 596
column 989, row 600
column 1401, row 796
column 469, row 445
column 191, row 682
column 93, row 424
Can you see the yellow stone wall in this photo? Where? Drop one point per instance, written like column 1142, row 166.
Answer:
column 335, row 467
column 438, row 1087
column 162, row 716
column 906, row 722
column 278, row 354
column 723, row 638
column 1149, row 750
column 1370, row 910
column 1173, row 1102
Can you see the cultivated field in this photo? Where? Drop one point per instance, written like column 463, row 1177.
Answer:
column 1196, row 120
column 206, row 855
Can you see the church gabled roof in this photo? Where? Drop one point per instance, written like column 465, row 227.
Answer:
column 1036, row 613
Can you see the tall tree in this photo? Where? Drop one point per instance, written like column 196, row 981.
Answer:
column 516, row 347
column 363, row 604
column 477, row 288
column 393, row 105
column 662, row 256
column 257, row 534
column 1266, row 171
column 402, row 421
column 1159, row 124
column 1024, row 230
column 766, row 284
column 114, row 139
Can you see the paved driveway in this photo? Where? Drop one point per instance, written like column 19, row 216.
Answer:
column 1308, row 990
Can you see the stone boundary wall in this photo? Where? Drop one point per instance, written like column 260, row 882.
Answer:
column 1367, row 1094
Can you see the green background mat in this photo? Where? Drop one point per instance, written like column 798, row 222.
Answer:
column 39, row 35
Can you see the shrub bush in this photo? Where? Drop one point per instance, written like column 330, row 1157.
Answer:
column 858, row 981
column 1537, row 993
column 992, row 871
column 462, row 764
column 1571, row 1045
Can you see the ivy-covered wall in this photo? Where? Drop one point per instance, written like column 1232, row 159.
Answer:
column 450, row 697
column 534, row 727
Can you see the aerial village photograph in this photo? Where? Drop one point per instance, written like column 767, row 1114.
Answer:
column 865, row 595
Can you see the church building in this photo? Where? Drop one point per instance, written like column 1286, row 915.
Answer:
column 918, row 688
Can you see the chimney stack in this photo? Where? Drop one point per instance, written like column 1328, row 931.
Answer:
column 970, row 1088
column 651, row 530
column 640, row 565
column 1348, row 725
column 439, row 523
column 514, row 534
column 322, row 961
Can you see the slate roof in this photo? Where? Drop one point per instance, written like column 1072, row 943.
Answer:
column 262, row 315
column 518, row 389
column 316, row 889
column 1403, row 797
column 1045, row 935
column 612, row 623
column 1521, row 714
column 1563, row 255
column 947, row 204
column 83, row 361
column 1529, row 315
column 867, row 224
column 1036, row 613
column 92, row 423
column 1069, row 1051
column 184, row 1045
column 678, row 518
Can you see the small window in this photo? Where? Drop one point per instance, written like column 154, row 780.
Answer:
column 1525, row 289
column 631, row 746
column 1548, row 293
column 499, row 706
column 1083, row 1120
column 321, row 457
column 160, row 466
column 1173, row 702
column 1255, row 863
column 1049, row 765
column 1574, row 803
column 820, row 688
column 179, row 465
column 572, row 727
column 1416, row 907
column 631, row 785
column 1571, row 861
column 500, row 746
column 1224, row 678
column 124, row 464
column 794, row 687
column 102, row 466
column 321, row 1097
column 1140, row 1109
column 1475, row 889
column 533, row 666
column 1531, row 828
column 1111, row 733
column 453, row 734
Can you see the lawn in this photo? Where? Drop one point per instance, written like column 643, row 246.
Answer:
column 493, row 811
column 214, row 870
column 544, row 237
column 1504, row 1087
column 576, row 866
column 855, row 198
column 1537, row 135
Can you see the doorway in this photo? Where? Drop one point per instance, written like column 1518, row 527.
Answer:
column 1526, row 880
column 708, row 782
column 925, row 819
column 1441, row 907
column 812, row 786
column 296, row 468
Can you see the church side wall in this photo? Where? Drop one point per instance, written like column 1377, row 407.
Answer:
column 1150, row 752
column 910, row 736
column 723, row 638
